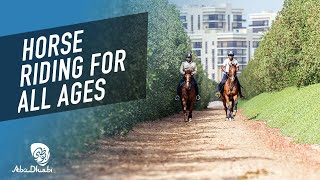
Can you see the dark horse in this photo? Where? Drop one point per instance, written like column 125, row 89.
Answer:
column 230, row 94
column 188, row 96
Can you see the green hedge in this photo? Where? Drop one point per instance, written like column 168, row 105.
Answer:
column 287, row 55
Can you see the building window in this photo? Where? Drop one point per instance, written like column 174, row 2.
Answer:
column 228, row 22
column 212, row 75
column 260, row 23
column 206, row 64
column 183, row 18
column 237, row 52
column 213, row 25
column 198, row 53
column 197, row 44
column 232, row 44
column 249, row 49
column 221, row 60
column 192, row 23
column 199, row 22
column 241, row 60
column 256, row 30
column 255, row 44
column 237, row 25
column 237, row 17
column 212, row 43
column 212, row 62
column 206, row 47
column 185, row 25
column 219, row 17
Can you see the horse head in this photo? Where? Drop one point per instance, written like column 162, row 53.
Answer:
column 232, row 72
column 188, row 76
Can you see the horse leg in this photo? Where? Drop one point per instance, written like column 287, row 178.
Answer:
column 184, row 103
column 228, row 107
column 231, row 110
column 190, row 110
column 235, row 105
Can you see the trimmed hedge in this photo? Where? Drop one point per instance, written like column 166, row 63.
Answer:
column 167, row 46
column 287, row 55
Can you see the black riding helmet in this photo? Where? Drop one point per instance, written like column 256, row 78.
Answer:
column 189, row 55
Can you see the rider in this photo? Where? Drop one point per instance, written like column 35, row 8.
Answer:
column 225, row 68
column 188, row 65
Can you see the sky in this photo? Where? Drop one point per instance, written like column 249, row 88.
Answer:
column 249, row 6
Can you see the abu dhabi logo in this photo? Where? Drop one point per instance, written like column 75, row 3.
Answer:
column 41, row 153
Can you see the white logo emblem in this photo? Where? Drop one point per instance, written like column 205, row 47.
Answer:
column 40, row 152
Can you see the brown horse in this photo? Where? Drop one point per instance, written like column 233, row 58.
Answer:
column 230, row 94
column 188, row 96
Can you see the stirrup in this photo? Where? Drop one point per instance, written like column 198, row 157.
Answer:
column 218, row 94
column 177, row 98
column 198, row 97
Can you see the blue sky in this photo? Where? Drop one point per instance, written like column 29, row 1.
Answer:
column 250, row 6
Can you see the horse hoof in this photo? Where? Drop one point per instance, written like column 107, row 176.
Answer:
column 190, row 119
column 230, row 119
column 227, row 119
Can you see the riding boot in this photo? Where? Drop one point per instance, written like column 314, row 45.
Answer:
column 177, row 98
column 218, row 90
column 197, row 91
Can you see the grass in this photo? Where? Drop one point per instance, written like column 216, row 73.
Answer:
column 296, row 112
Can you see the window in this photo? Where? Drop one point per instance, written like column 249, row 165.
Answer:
column 228, row 22
column 237, row 17
column 198, row 53
column 255, row 44
column 237, row 52
column 206, row 65
column 213, row 25
column 212, row 58
column 192, row 23
column 256, row 30
column 220, row 60
column 206, row 47
column 241, row 60
column 260, row 23
column 197, row 45
column 237, row 25
column 232, row 44
column 212, row 75
column 199, row 22
column 185, row 25
column 183, row 18
column 220, row 17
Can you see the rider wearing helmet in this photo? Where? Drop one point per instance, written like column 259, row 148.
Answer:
column 225, row 68
column 188, row 65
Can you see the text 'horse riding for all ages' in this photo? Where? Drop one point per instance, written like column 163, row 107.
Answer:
column 230, row 94
column 188, row 96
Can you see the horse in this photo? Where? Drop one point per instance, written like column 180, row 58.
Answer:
column 188, row 96
column 230, row 94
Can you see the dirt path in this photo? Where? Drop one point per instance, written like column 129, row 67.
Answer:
column 207, row 148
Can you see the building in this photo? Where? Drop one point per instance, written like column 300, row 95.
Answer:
column 215, row 30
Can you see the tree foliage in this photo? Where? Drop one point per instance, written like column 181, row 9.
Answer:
column 287, row 55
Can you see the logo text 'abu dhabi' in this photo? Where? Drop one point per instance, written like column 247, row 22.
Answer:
column 41, row 154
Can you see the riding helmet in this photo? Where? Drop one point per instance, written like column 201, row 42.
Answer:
column 189, row 55
column 230, row 53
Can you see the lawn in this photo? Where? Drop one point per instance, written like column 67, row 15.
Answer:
column 296, row 112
